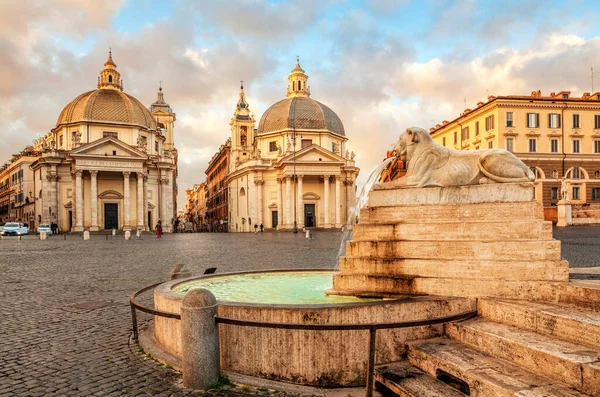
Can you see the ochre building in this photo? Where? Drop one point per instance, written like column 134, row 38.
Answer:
column 109, row 163
column 216, row 196
column 294, row 170
column 558, row 136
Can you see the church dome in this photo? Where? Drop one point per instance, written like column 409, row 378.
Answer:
column 301, row 113
column 107, row 104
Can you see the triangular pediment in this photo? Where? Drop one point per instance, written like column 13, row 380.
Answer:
column 108, row 146
column 311, row 154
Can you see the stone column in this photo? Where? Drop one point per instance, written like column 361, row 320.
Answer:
column 140, row 200
column 94, row 201
column 338, row 220
column 145, row 204
column 73, row 200
column 53, row 178
column 126, row 201
column 350, row 202
column 326, row 200
column 288, row 202
column 259, row 188
column 300, row 204
column 79, row 201
column 279, row 205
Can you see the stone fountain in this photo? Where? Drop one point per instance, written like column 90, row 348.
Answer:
column 461, row 230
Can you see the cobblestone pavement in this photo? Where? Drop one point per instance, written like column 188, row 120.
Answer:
column 65, row 320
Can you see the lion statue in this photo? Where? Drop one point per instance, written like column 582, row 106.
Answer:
column 431, row 164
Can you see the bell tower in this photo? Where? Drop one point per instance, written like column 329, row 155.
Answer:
column 242, row 130
column 164, row 116
column 109, row 77
column 297, row 85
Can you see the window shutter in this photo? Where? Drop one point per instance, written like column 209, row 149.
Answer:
column 550, row 120
column 558, row 117
column 537, row 119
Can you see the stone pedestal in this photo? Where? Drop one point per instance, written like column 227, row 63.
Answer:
column 43, row 236
column 474, row 241
column 86, row 235
column 565, row 216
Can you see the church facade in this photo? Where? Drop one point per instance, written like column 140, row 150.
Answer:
column 294, row 170
column 109, row 163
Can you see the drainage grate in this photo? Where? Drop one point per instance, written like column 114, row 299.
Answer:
column 453, row 382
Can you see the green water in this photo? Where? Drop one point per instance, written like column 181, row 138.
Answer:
column 272, row 288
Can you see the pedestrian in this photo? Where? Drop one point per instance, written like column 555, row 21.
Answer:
column 176, row 225
column 255, row 228
column 262, row 227
column 159, row 230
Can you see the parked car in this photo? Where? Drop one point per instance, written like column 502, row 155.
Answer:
column 44, row 227
column 15, row 229
column 1, row 227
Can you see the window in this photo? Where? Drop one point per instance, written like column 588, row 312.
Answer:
column 464, row 134
column 444, row 141
column 596, row 174
column 554, row 120
column 110, row 79
column 243, row 136
column 476, row 147
column 596, row 193
column 477, row 128
column 273, row 146
column 565, row 96
column 576, row 193
column 596, row 145
column 575, row 173
column 510, row 144
column 576, row 123
column 60, row 140
column 114, row 152
column 554, row 193
column 455, row 137
column 509, row 119
column 490, row 145
column 143, row 141
column 535, row 172
column 156, row 146
column 306, row 143
column 333, row 146
column 110, row 134
column 576, row 145
column 554, row 174
column 489, row 123
column 532, row 145
column 533, row 120
column 553, row 145
column 597, row 121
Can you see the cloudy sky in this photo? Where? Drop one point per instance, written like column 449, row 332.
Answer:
column 382, row 65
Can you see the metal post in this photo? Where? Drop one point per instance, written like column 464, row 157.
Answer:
column 371, row 367
column 134, row 321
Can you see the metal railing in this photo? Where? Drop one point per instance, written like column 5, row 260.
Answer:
column 372, row 328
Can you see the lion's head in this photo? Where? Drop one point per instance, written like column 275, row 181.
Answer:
column 408, row 138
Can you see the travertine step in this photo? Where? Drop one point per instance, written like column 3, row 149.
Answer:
column 349, row 284
column 575, row 325
column 575, row 293
column 452, row 212
column 461, row 230
column 404, row 380
column 486, row 376
column 574, row 364
column 530, row 250
column 453, row 268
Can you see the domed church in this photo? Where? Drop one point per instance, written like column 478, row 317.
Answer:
column 109, row 163
column 294, row 171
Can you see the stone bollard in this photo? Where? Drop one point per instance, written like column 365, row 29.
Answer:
column 565, row 214
column 114, row 232
column 200, row 340
column 308, row 234
column 86, row 235
column 43, row 235
column 139, row 234
column 127, row 235
column 179, row 271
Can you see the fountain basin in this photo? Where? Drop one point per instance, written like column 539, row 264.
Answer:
column 317, row 358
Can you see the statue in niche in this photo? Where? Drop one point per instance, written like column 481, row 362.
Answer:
column 564, row 189
column 347, row 154
column 352, row 155
column 258, row 153
column 431, row 164
column 76, row 139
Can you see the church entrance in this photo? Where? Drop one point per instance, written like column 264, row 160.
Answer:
column 111, row 216
column 274, row 219
column 70, row 220
column 309, row 215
